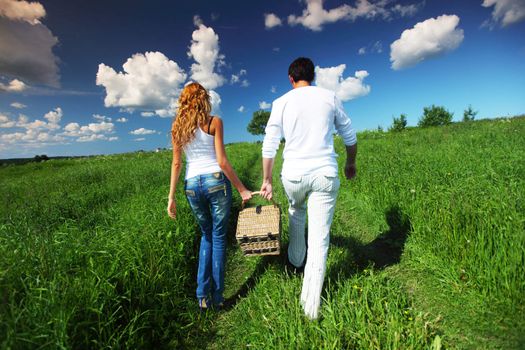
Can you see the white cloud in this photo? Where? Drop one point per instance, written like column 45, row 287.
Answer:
column 215, row 100
column 54, row 116
column 14, row 85
column 314, row 16
column 276, row 49
column 346, row 89
column 407, row 10
column 271, row 20
column 139, row 139
column 101, row 118
column 234, row 79
column 147, row 114
column 90, row 132
column 426, row 39
column 264, row 105
column 241, row 109
column 142, row 131
column 16, row 10
column 26, row 46
column 18, row 105
column 122, row 120
column 376, row 47
column 149, row 81
column 273, row 90
column 6, row 122
column 243, row 72
column 506, row 11
column 245, row 83
column 204, row 49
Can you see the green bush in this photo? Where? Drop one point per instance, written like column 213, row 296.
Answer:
column 399, row 124
column 435, row 116
column 258, row 122
column 469, row 114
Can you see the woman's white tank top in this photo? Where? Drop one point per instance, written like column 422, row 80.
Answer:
column 200, row 155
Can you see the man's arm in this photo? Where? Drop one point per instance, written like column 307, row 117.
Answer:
column 272, row 139
column 343, row 124
column 266, row 188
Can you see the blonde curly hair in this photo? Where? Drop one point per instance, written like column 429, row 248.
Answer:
column 194, row 110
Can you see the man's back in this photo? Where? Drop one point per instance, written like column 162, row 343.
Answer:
column 307, row 118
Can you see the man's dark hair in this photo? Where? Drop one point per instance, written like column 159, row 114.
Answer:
column 302, row 69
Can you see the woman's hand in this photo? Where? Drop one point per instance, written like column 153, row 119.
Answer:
column 245, row 195
column 172, row 208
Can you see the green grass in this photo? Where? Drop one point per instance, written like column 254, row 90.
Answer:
column 427, row 252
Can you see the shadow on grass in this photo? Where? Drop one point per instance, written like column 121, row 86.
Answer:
column 385, row 250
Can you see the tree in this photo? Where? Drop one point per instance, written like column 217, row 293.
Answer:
column 469, row 114
column 258, row 122
column 399, row 124
column 435, row 116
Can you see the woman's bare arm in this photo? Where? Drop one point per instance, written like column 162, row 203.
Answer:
column 222, row 159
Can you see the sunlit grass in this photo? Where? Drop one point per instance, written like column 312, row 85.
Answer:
column 427, row 250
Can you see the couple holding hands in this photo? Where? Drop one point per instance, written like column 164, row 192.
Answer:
column 306, row 117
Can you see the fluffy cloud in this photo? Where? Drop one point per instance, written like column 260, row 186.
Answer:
column 346, row 89
column 204, row 49
column 75, row 130
column 142, row 131
column 271, row 20
column 315, row 16
column 54, row 116
column 26, row 45
column 101, row 118
column 14, row 85
column 6, row 122
column 18, row 105
column 237, row 78
column 426, row 39
column 506, row 11
column 376, row 47
column 241, row 109
column 122, row 120
column 16, row 10
column 149, row 81
column 264, row 105
column 215, row 100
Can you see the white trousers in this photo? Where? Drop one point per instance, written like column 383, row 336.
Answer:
column 318, row 193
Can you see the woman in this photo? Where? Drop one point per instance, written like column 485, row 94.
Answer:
column 209, row 176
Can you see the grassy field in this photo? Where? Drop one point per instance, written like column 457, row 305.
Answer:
column 427, row 252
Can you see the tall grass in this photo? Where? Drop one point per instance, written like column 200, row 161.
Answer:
column 427, row 251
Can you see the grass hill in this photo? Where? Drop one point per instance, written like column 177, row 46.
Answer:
column 427, row 251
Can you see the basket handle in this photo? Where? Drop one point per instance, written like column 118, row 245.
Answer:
column 259, row 193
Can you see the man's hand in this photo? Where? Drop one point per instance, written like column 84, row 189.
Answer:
column 266, row 190
column 350, row 170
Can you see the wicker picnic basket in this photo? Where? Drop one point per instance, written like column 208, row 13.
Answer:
column 259, row 230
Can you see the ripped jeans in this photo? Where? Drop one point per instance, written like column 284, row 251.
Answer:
column 210, row 198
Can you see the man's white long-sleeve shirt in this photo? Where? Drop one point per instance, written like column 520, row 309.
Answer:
column 307, row 118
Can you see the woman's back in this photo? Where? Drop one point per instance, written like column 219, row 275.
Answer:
column 200, row 155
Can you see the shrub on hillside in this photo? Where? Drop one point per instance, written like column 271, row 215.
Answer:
column 469, row 114
column 399, row 124
column 435, row 116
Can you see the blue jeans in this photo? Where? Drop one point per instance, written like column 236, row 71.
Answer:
column 210, row 198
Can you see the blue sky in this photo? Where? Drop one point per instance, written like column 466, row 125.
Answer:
column 93, row 77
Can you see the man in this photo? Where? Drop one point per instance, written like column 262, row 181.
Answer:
column 307, row 117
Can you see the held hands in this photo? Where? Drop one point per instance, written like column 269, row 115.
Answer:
column 172, row 208
column 350, row 170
